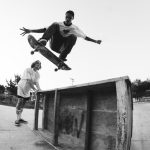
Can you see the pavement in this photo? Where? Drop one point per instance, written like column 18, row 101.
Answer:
column 141, row 126
column 24, row 138
column 19, row 138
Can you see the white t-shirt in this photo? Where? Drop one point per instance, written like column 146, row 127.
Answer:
column 24, row 87
column 72, row 29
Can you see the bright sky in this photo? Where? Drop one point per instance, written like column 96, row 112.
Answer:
column 122, row 25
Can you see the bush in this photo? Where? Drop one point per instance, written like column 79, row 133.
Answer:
column 11, row 100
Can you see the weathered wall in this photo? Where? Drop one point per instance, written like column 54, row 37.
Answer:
column 50, row 112
column 124, row 115
column 72, row 118
column 90, row 117
column 104, row 120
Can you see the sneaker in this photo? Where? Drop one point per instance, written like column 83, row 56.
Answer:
column 17, row 122
column 23, row 121
column 63, row 59
column 42, row 41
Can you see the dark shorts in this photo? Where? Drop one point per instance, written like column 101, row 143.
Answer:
column 26, row 98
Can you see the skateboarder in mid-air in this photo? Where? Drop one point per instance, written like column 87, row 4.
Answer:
column 62, row 35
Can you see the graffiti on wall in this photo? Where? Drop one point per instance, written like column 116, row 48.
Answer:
column 71, row 121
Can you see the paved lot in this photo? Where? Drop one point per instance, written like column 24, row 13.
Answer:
column 141, row 127
column 19, row 138
column 23, row 138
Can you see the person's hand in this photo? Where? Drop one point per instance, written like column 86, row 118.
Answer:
column 25, row 31
column 38, row 90
column 98, row 41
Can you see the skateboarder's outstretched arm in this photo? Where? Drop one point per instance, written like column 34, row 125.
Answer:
column 92, row 40
column 26, row 31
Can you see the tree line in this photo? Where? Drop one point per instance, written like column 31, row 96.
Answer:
column 11, row 86
column 138, row 88
column 8, row 93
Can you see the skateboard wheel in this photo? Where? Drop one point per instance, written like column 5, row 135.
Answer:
column 32, row 52
column 56, row 69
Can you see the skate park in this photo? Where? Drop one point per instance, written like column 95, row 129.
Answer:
column 97, row 115
column 92, row 115
column 103, row 123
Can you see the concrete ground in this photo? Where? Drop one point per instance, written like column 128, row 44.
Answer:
column 141, row 126
column 19, row 138
column 23, row 137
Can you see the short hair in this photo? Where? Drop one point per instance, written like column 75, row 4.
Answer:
column 36, row 62
column 70, row 12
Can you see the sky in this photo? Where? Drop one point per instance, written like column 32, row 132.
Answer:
column 122, row 25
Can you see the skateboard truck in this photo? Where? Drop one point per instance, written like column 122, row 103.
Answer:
column 56, row 69
column 60, row 66
column 32, row 52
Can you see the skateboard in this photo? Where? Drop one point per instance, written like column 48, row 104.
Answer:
column 38, row 47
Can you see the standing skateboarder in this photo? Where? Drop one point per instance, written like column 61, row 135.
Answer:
column 62, row 35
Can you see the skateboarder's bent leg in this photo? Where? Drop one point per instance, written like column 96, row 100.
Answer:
column 66, row 48
column 56, row 42
column 50, row 31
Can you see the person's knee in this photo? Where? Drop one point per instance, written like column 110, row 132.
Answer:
column 54, row 26
column 50, row 31
column 72, row 39
column 70, row 43
column 19, row 104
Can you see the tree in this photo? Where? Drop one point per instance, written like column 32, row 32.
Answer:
column 2, row 89
column 17, row 78
column 12, row 85
column 139, row 88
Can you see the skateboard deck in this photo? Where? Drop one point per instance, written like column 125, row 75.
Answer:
column 38, row 47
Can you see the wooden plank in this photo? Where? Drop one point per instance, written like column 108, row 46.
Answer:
column 88, row 121
column 44, row 113
column 36, row 112
column 130, row 117
column 87, row 85
column 56, row 117
column 122, row 98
